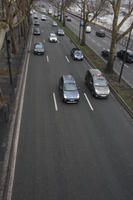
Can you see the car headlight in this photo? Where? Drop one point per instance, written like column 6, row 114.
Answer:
column 97, row 91
column 78, row 96
column 65, row 97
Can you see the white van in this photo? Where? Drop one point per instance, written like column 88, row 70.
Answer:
column 88, row 29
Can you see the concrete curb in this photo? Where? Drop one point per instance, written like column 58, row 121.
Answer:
column 7, row 158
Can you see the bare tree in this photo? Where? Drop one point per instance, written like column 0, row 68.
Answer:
column 14, row 13
column 116, row 26
column 62, row 5
column 90, row 7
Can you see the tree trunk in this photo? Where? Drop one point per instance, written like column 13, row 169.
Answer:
column 109, row 67
column 83, row 35
column 64, row 20
column 13, row 39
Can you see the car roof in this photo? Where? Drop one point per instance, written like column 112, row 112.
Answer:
column 95, row 72
column 68, row 78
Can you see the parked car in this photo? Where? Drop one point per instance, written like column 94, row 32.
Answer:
column 105, row 53
column 97, row 83
column 39, row 48
column 88, row 29
column 77, row 54
column 36, row 23
column 69, row 19
column 128, row 55
column 36, row 31
column 54, row 23
column 68, row 89
column 53, row 37
column 43, row 18
column 100, row 33
column 60, row 32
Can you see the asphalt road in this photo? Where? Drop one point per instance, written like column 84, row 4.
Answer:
column 98, row 44
column 74, row 152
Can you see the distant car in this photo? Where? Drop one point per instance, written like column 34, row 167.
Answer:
column 35, row 16
column 69, row 19
column 50, row 11
column 97, row 83
column 43, row 18
column 105, row 53
column 60, row 32
column 77, row 54
column 68, row 89
column 56, row 14
column 54, row 24
column 88, row 29
column 36, row 23
column 53, row 37
column 39, row 48
column 100, row 33
column 128, row 55
column 36, row 31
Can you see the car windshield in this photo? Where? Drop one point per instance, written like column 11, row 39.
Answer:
column 52, row 35
column 70, row 87
column 78, row 53
column 60, row 30
column 100, row 82
column 39, row 46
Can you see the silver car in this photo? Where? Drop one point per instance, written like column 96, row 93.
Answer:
column 53, row 37
column 54, row 24
column 97, row 83
column 68, row 89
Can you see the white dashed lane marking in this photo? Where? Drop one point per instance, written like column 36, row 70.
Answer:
column 55, row 102
column 47, row 58
column 88, row 102
column 67, row 59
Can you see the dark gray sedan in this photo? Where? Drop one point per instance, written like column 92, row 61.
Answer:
column 68, row 89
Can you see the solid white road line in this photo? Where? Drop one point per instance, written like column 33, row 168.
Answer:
column 88, row 101
column 11, row 178
column 67, row 59
column 47, row 58
column 55, row 102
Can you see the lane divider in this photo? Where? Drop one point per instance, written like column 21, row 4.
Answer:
column 67, row 59
column 55, row 102
column 47, row 58
column 88, row 102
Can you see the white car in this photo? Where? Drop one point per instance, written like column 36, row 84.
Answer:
column 88, row 29
column 54, row 23
column 43, row 18
column 50, row 11
column 53, row 37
